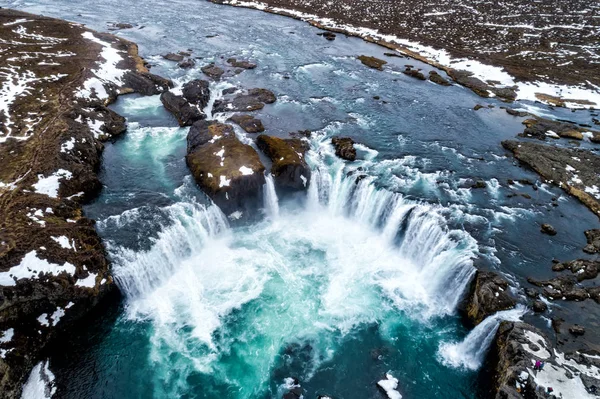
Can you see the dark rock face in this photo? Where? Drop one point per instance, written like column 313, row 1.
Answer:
column 185, row 113
column 213, row 71
column 583, row 269
column 542, row 129
column 243, row 64
column 289, row 167
column 253, row 100
column 227, row 170
column 574, row 170
column 577, row 330
column 548, row 229
column 414, row 73
column 563, row 287
column 187, row 63
column 488, row 295
column 480, row 87
column 327, row 35
column 173, row 57
column 145, row 83
column 344, row 148
column 249, row 123
column 539, row 306
column 514, row 112
column 197, row 92
column 372, row 62
column 437, row 78
column 593, row 241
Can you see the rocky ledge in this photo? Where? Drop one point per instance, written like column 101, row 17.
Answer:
column 288, row 164
column 57, row 78
column 574, row 170
column 227, row 170
column 251, row 100
column 487, row 295
column 516, row 349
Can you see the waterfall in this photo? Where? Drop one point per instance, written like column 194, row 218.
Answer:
column 138, row 272
column 470, row 352
column 271, row 202
column 441, row 257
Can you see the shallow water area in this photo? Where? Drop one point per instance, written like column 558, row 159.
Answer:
column 335, row 287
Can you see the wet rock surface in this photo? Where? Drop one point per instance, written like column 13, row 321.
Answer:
column 249, row 123
column 227, row 170
column 344, row 148
column 287, row 155
column 185, row 113
column 372, row 62
column 213, row 71
column 243, row 64
column 543, row 129
column 488, row 294
column 548, row 229
column 437, row 78
column 574, row 170
column 53, row 268
column 197, row 92
column 252, row 100
column 593, row 241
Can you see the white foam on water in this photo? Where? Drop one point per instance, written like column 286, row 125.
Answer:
column 271, row 204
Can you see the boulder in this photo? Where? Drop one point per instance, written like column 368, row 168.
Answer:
column 541, row 129
column 213, row 71
column 539, row 306
column 197, row 92
column 372, row 62
column 514, row 112
column 173, row 57
column 488, row 294
column 185, row 112
column 577, row 330
column 548, row 229
column 241, row 63
column 437, row 78
column 414, row 73
column 562, row 287
column 344, row 148
column 252, row 100
column 227, row 170
column 187, row 63
column 583, row 269
column 327, row 35
column 249, row 123
column 593, row 241
column 287, row 155
column 146, row 83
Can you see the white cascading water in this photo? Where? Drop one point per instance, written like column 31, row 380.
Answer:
column 470, row 352
column 271, row 202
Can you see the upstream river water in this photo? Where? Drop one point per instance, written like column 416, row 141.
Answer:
column 335, row 287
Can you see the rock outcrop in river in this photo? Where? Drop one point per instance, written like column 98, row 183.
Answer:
column 229, row 171
column 53, row 268
column 287, row 155
column 488, row 294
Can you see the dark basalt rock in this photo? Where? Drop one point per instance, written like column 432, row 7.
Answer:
column 173, row 57
column 559, row 165
column 287, row 155
column 249, row 123
column 146, row 83
column 253, row 100
column 539, row 306
column 478, row 107
column 577, row 330
column 213, row 71
column 227, row 170
column 479, row 184
column 548, row 229
column 197, row 92
column 562, row 287
column 514, row 112
column 344, row 148
column 243, row 64
column 593, row 241
column 327, row 35
column 437, row 78
column 185, row 113
column 414, row 73
column 541, row 129
column 583, row 269
column 488, row 294
column 372, row 62
column 187, row 63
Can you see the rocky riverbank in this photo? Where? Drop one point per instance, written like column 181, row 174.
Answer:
column 57, row 78
column 537, row 55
